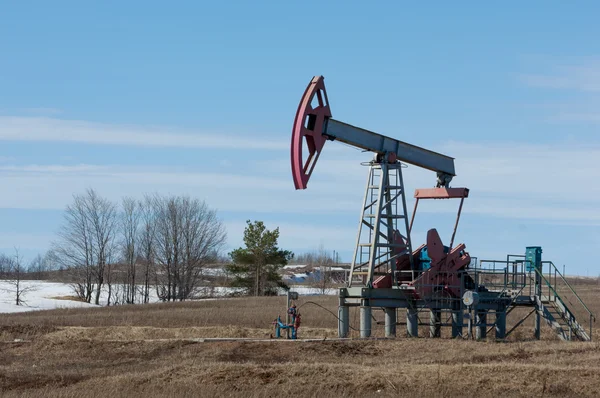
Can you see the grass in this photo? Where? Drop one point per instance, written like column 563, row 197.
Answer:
column 143, row 351
column 417, row 367
column 254, row 312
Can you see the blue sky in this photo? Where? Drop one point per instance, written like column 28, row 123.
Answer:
column 198, row 98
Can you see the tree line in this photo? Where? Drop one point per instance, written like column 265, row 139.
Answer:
column 159, row 245
column 160, row 242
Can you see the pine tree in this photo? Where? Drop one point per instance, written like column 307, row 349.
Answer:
column 256, row 267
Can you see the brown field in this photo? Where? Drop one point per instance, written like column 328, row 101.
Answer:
column 147, row 351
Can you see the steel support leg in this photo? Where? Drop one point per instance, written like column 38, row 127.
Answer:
column 538, row 323
column 343, row 321
column 457, row 322
column 501, row 324
column 390, row 322
column 435, row 320
column 481, row 325
column 365, row 320
column 412, row 322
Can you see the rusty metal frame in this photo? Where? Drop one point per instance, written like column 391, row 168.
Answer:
column 440, row 193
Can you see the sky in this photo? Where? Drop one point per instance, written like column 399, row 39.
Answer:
column 198, row 98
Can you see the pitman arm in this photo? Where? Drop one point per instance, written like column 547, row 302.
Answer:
column 314, row 126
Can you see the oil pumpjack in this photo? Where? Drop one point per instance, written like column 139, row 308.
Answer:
column 386, row 272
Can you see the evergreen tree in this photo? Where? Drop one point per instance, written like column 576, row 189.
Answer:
column 256, row 267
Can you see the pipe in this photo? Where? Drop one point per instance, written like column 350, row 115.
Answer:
column 481, row 325
column 500, row 324
column 343, row 321
column 365, row 320
column 390, row 322
column 434, row 323
column 412, row 321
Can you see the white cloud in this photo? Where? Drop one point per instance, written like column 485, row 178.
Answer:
column 57, row 169
column 573, row 115
column 44, row 129
column 524, row 184
column 581, row 76
column 548, row 173
column 548, row 183
column 52, row 186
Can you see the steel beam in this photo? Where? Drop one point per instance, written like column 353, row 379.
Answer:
column 442, row 193
column 481, row 325
column 538, row 323
column 457, row 323
column 500, row 324
column 371, row 141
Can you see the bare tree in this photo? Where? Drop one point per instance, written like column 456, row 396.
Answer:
column 130, row 220
column 5, row 265
column 37, row 265
column 86, row 242
column 324, row 261
column 187, row 233
column 146, row 240
column 109, row 272
column 14, row 278
column 41, row 265
column 321, row 261
column 74, row 249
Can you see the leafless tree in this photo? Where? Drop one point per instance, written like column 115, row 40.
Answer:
column 14, row 277
column 86, row 242
column 321, row 261
column 187, row 233
column 5, row 265
column 109, row 271
column 324, row 261
column 130, row 220
column 146, row 241
column 41, row 265
column 37, row 265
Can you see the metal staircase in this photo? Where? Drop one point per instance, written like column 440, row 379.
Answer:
column 561, row 321
column 542, row 287
column 554, row 310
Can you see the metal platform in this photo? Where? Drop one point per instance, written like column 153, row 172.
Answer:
column 501, row 286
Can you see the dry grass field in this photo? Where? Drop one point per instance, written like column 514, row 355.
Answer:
column 147, row 351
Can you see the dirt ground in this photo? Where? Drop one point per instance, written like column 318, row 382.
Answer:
column 157, row 351
column 116, row 362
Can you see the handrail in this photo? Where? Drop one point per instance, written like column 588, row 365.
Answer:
column 570, row 288
column 557, row 297
column 510, row 278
